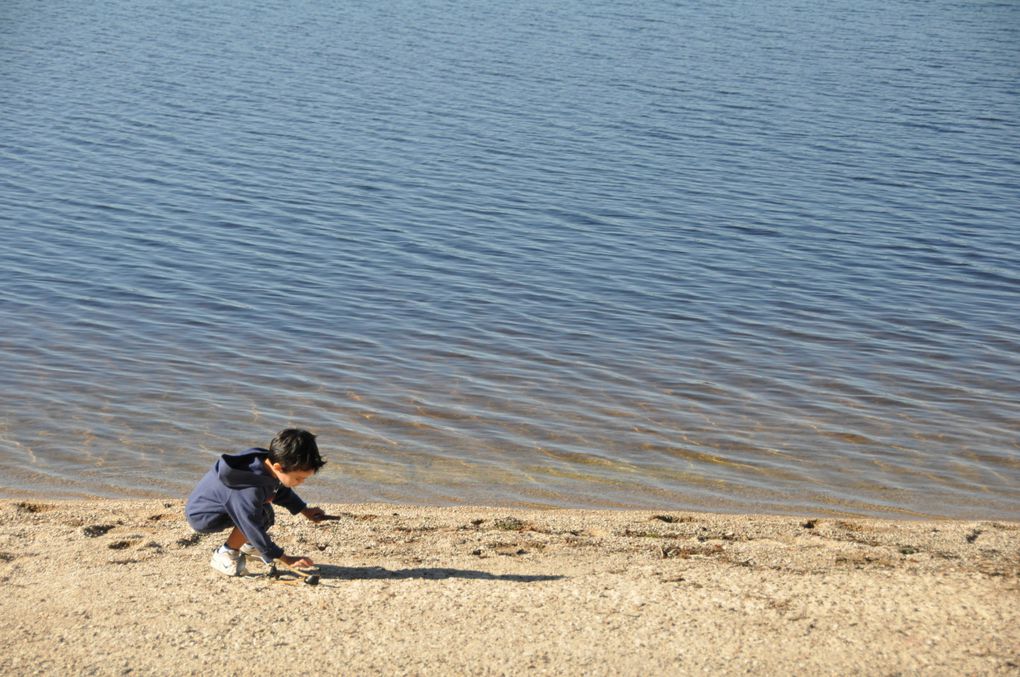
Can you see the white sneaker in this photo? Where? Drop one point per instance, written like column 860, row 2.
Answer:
column 249, row 550
column 229, row 562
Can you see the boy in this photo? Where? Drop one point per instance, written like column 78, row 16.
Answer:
column 239, row 492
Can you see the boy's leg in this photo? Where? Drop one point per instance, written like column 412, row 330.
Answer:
column 236, row 539
column 226, row 559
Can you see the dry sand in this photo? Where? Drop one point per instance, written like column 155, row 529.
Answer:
column 116, row 587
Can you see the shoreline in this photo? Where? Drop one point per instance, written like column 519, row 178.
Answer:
column 831, row 511
column 118, row 586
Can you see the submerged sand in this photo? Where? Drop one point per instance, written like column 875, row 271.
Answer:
column 124, row 587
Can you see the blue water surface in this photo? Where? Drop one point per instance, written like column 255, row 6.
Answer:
column 749, row 256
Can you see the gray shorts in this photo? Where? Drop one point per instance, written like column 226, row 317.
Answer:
column 211, row 524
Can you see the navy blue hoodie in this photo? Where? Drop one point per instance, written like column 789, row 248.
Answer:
column 239, row 486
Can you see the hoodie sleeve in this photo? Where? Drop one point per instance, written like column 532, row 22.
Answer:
column 288, row 498
column 246, row 509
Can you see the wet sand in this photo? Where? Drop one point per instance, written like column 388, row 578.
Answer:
column 124, row 587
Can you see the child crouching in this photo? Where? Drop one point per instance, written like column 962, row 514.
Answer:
column 239, row 491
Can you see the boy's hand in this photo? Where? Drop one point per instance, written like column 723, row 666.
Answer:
column 314, row 514
column 299, row 562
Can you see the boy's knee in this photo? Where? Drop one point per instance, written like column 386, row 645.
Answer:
column 211, row 524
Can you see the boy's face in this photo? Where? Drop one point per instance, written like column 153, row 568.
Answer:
column 290, row 478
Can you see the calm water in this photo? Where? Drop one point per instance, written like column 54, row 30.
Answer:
column 758, row 256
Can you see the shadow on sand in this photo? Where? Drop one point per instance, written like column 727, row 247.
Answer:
column 331, row 572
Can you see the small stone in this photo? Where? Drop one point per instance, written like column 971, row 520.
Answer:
column 509, row 524
column 189, row 540
column 96, row 530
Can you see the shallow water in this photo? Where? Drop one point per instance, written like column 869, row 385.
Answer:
column 641, row 254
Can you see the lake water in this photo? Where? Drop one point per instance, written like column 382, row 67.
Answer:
column 747, row 256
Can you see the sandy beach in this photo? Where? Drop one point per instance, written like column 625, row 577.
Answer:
column 124, row 587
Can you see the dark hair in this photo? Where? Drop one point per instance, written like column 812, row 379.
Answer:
column 295, row 449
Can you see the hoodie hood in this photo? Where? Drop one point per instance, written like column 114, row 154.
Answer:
column 246, row 469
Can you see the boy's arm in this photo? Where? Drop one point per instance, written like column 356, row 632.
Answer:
column 288, row 498
column 245, row 509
